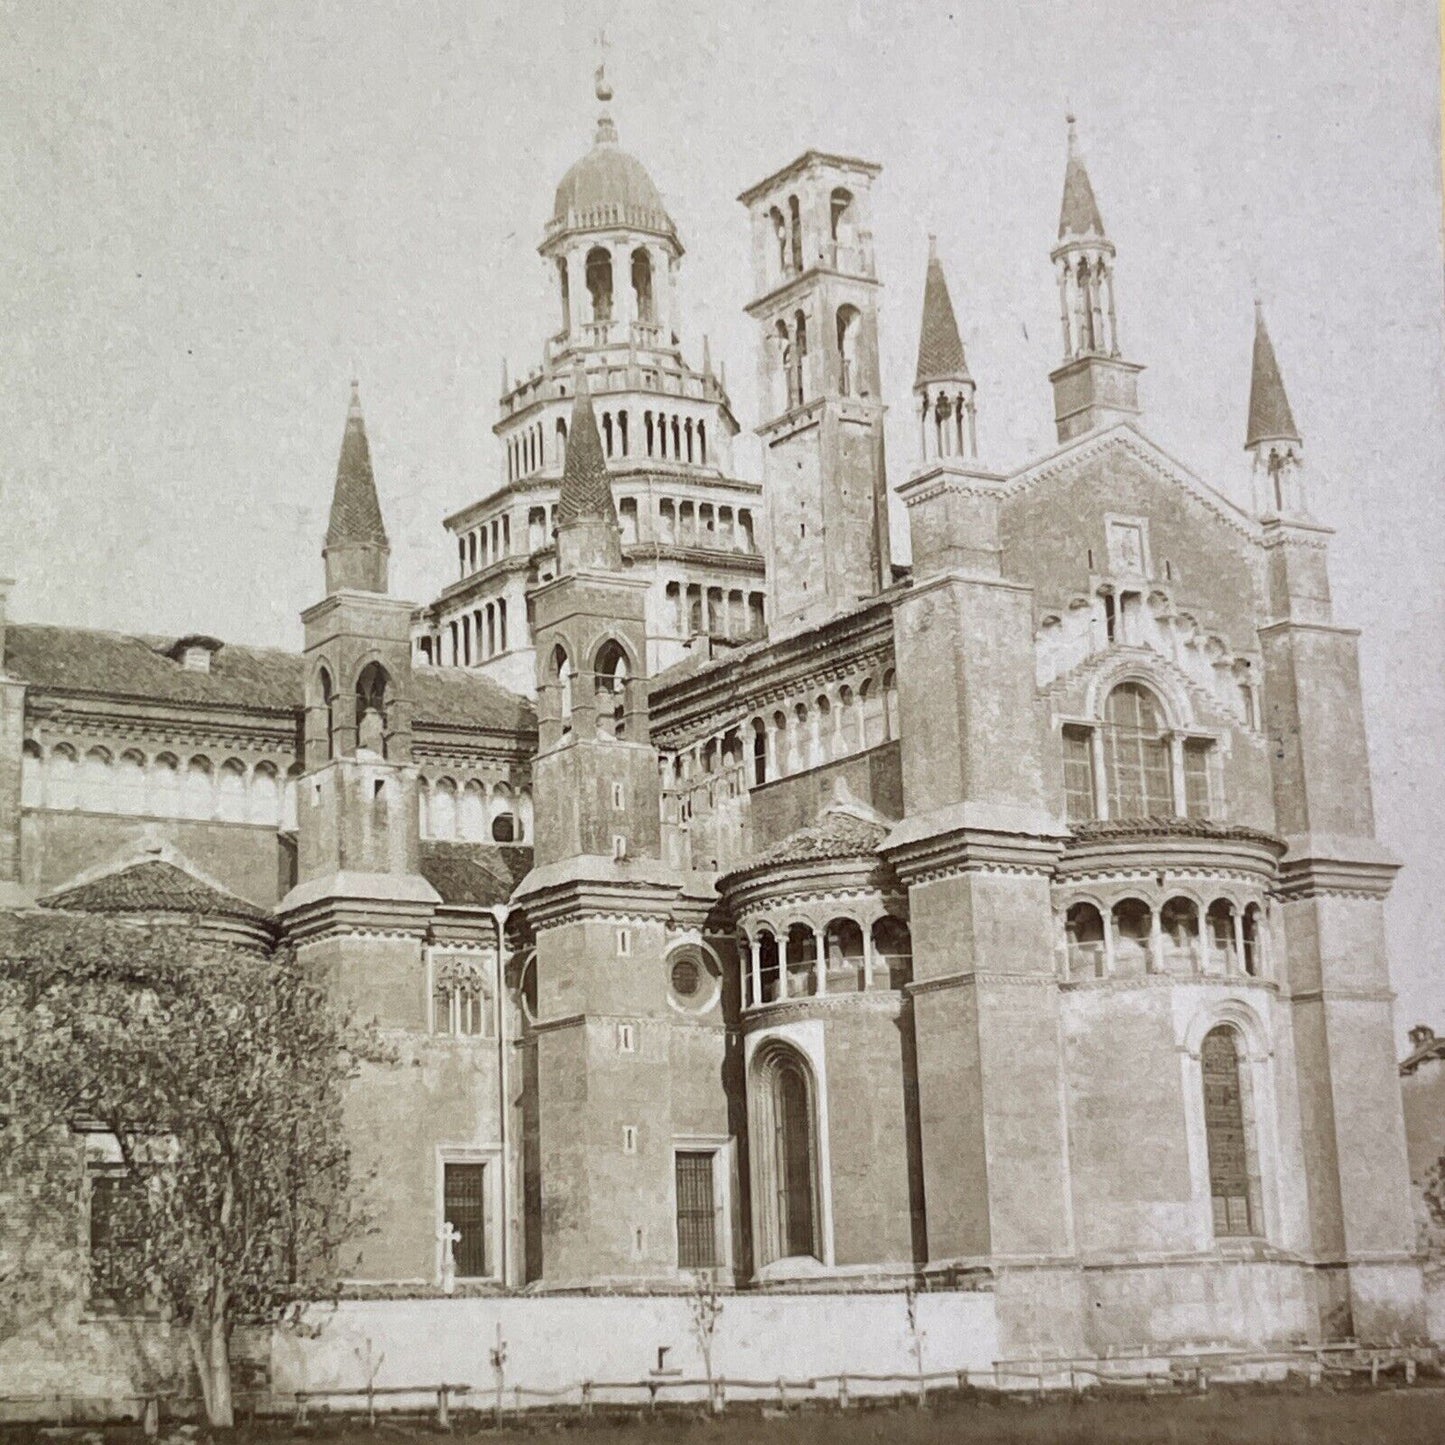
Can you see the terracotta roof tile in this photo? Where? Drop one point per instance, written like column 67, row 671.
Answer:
column 940, row 349
column 481, row 875
column 153, row 885
column 586, row 491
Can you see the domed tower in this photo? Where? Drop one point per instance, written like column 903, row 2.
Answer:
column 613, row 256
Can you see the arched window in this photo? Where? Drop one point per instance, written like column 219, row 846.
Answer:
column 849, row 321
column 607, row 432
column 231, row 795
column 444, row 810
column 780, row 237
column 769, row 972
column 890, row 703
column 1133, row 924
column 562, row 671
column 599, row 283
column 32, row 775
column 373, row 695
column 130, row 783
column 566, row 293
column 561, row 447
column 1233, row 1186
column 790, row 1184
column 1253, row 941
column 1084, row 938
column 760, row 753
column 165, row 786
column 61, row 777
column 328, row 701
column 472, row 814
column 795, row 232
column 609, row 673
column 642, row 284
column 196, row 794
column 892, row 952
column 1179, row 931
column 266, row 795
column 96, row 783
column 1219, row 925
column 1136, row 754
column 800, row 354
column 843, row 947
column 801, row 960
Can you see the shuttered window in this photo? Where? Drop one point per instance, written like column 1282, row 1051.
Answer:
column 696, row 1210
column 466, row 1211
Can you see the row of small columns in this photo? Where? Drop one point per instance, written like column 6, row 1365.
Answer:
column 1081, row 306
column 752, row 962
column 949, row 423
column 571, row 706
column 1206, row 945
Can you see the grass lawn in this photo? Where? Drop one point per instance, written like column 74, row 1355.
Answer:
column 1264, row 1416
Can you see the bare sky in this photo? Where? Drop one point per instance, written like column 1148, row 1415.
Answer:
column 210, row 216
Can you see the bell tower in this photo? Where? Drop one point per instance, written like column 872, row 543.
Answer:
column 357, row 800
column 817, row 313
column 1095, row 386
column 599, row 900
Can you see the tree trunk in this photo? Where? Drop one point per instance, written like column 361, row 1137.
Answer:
column 211, row 1351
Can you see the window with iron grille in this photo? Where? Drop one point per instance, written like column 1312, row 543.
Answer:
column 465, row 1209
column 696, row 1210
column 113, row 1283
column 1229, row 1184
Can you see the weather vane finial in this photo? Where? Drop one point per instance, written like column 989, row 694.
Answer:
column 603, row 85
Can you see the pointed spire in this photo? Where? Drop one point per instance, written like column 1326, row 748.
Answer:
column 356, row 549
column 1079, row 214
column 1270, row 417
column 940, row 349
column 706, row 356
column 586, row 491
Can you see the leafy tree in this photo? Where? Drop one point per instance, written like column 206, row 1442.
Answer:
column 220, row 1073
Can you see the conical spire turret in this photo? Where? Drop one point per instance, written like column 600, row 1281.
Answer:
column 587, row 531
column 1093, row 387
column 942, row 382
column 1270, row 417
column 1079, row 214
column 356, row 551
column 1271, row 433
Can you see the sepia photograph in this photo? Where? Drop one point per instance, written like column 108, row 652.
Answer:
column 722, row 722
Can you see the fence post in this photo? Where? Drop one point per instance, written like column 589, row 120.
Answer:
column 1374, row 1368
column 300, row 1408
column 1203, row 1381
column 652, row 1394
column 151, row 1417
column 586, row 1397
column 371, row 1403
column 842, row 1392
column 444, row 1419
column 1409, row 1369
column 782, row 1393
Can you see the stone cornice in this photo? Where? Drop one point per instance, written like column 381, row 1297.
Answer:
column 378, row 904
column 793, row 1010
column 950, row 477
column 971, row 978
column 971, row 838
column 269, row 730
column 1172, row 846
column 599, row 888
column 756, row 677
column 1319, row 864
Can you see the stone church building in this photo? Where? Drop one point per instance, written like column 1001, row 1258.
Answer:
column 739, row 900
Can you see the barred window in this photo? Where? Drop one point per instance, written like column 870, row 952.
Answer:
column 1079, row 775
column 465, row 1209
column 114, row 1282
column 696, row 1210
column 1136, row 754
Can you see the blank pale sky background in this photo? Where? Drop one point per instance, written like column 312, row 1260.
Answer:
column 211, row 215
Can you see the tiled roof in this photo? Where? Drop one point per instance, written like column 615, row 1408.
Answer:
column 1170, row 827
column 153, row 885
column 481, row 875
column 355, row 511
column 940, row 349
column 112, row 664
column 839, row 834
column 586, row 491
column 1270, row 417
column 1079, row 214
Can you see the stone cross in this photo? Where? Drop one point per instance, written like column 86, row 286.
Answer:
column 450, row 1237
